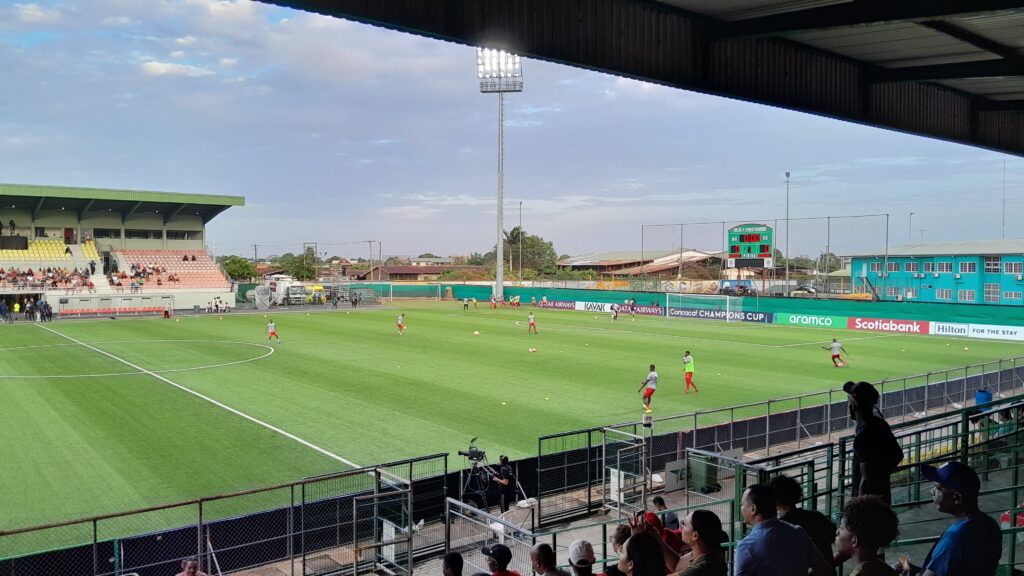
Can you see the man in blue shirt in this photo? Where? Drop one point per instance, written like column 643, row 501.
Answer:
column 972, row 544
column 774, row 547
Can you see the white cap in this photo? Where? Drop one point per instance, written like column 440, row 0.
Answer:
column 581, row 553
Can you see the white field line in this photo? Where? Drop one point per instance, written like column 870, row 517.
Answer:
column 841, row 340
column 596, row 329
column 234, row 411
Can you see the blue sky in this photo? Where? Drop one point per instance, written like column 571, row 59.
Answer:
column 337, row 132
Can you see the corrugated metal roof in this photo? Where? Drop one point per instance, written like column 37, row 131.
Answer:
column 729, row 10
column 615, row 258
column 76, row 193
column 959, row 248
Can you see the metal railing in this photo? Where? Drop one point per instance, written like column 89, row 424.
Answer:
column 570, row 464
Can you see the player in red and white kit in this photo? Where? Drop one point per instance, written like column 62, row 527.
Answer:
column 272, row 331
column 649, row 385
column 533, row 324
column 836, row 348
column 401, row 323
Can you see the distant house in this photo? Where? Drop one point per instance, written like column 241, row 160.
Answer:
column 268, row 270
column 975, row 272
column 430, row 261
column 661, row 263
column 413, row 273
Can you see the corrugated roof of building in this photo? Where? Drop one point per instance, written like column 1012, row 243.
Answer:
column 957, row 248
column 614, row 258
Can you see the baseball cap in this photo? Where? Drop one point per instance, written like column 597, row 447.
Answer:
column 499, row 552
column 652, row 520
column 959, row 477
column 864, row 392
column 581, row 553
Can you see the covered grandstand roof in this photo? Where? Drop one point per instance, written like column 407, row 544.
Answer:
column 948, row 69
column 957, row 248
column 615, row 258
column 38, row 198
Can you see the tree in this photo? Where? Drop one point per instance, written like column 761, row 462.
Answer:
column 393, row 261
column 829, row 262
column 302, row 267
column 427, row 255
column 476, row 259
column 239, row 268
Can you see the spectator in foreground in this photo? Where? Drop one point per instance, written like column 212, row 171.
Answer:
column 542, row 557
column 702, row 532
column 582, row 558
column 451, row 564
column 669, row 519
column 876, row 453
column 788, row 493
column 868, row 524
column 641, row 556
column 498, row 559
column 774, row 547
column 190, row 567
column 972, row 544
column 618, row 540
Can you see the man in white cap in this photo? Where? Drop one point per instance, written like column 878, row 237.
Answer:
column 581, row 558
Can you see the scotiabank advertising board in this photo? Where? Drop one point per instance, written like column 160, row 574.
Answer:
column 888, row 325
column 705, row 314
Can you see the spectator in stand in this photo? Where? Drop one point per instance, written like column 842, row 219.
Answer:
column 190, row 567
column 618, row 540
column 702, row 532
column 972, row 544
column 582, row 558
column 193, row 257
column 868, row 525
column 542, row 557
column 184, row 258
column 669, row 519
column 821, row 530
column 641, row 556
column 498, row 559
column 451, row 564
column 876, row 453
column 774, row 547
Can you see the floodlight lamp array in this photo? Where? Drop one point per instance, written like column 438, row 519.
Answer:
column 499, row 70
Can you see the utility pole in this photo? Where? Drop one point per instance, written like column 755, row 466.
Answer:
column 787, row 233
column 255, row 255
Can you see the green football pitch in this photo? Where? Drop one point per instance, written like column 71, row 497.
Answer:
column 102, row 416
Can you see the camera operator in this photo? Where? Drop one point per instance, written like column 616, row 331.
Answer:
column 506, row 480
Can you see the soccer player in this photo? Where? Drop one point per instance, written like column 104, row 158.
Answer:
column 649, row 385
column 836, row 348
column 401, row 323
column 533, row 323
column 688, row 372
column 533, row 301
column 272, row 331
column 465, row 304
column 615, row 312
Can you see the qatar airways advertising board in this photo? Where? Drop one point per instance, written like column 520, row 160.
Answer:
column 888, row 325
column 623, row 308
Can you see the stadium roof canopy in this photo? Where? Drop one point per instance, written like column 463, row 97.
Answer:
column 1008, row 246
column 126, row 202
column 948, row 69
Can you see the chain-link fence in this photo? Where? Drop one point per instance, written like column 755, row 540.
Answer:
column 470, row 530
column 570, row 464
column 356, row 521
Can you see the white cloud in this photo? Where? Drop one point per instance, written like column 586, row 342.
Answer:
column 117, row 21
column 154, row 68
column 185, row 41
column 36, row 14
column 228, row 61
column 408, row 212
column 178, row 54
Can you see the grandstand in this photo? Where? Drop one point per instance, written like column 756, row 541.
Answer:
column 58, row 238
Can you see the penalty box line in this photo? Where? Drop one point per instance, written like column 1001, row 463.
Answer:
column 216, row 403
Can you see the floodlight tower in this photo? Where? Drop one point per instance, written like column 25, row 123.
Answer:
column 499, row 72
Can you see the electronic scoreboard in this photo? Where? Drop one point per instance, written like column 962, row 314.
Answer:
column 751, row 246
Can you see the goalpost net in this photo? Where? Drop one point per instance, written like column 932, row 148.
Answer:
column 712, row 307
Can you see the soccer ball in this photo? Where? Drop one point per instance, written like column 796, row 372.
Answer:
column 476, row 332
column 177, row 319
column 965, row 348
column 504, row 403
column 533, row 349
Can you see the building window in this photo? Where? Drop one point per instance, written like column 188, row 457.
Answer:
column 992, row 264
column 892, row 291
column 991, row 292
column 968, row 267
column 946, row 267
column 910, row 293
column 106, row 233
column 892, row 267
column 929, row 267
column 179, row 234
column 1013, row 267
column 943, row 294
column 1012, row 295
column 876, row 266
column 965, row 296
column 912, row 267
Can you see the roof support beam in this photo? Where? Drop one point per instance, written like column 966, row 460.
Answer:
column 84, row 209
column 173, row 213
column 973, row 39
column 125, row 215
column 1001, row 106
column 38, row 207
column 862, row 12
column 983, row 69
